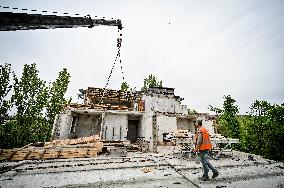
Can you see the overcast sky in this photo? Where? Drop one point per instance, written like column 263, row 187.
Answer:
column 203, row 49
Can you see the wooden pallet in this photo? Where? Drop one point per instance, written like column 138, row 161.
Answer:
column 57, row 149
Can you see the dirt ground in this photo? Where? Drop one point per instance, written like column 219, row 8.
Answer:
column 168, row 168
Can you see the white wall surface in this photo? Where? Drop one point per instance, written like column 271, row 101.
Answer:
column 207, row 124
column 64, row 122
column 146, row 128
column 163, row 104
column 87, row 125
column 185, row 124
column 115, row 127
column 165, row 124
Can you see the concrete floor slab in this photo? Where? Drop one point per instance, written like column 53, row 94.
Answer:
column 142, row 170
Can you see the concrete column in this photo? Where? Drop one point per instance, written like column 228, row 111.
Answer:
column 103, row 129
column 66, row 122
column 155, row 133
column 124, row 128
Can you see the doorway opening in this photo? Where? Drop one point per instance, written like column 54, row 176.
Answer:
column 133, row 128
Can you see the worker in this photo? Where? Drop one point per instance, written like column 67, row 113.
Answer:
column 203, row 146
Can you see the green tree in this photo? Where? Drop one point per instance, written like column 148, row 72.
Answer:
column 5, row 105
column 152, row 81
column 259, row 112
column 124, row 86
column 56, row 100
column 5, row 88
column 192, row 112
column 262, row 131
column 227, row 117
column 36, row 106
column 29, row 97
column 274, row 147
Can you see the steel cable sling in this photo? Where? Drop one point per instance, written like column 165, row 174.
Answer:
column 119, row 41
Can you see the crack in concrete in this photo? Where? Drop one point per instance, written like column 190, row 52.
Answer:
column 177, row 170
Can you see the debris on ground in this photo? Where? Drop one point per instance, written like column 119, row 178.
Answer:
column 57, row 149
column 146, row 170
column 137, row 169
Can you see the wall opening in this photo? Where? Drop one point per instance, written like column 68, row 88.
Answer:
column 73, row 125
column 133, row 124
column 88, row 125
column 186, row 124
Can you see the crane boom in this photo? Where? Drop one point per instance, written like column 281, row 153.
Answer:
column 10, row 21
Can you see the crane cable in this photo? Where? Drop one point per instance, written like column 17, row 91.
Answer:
column 119, row 41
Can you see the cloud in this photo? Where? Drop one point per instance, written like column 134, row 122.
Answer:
column 204, row 49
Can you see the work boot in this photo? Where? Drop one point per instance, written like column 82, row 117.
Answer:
column 204, row 178
column 215, row 174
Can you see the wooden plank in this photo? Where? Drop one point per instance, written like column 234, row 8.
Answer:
column 71, row 153
column 6, row 154
column 50, row 154
column 12, row 154
column 92, row 152
column 59, row 152
column 82, row 147
column 35, row 154
column 27, row 154
column 20, row 155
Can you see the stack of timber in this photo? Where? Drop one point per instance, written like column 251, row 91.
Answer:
column 97, row 106
column 57, row 149
column 122, row 144
column 179, row 133
column 98, row 93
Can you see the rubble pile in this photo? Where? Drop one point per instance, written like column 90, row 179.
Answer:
column 97, row 106
column 57, row 149
column 109, row 99
column 97, row 93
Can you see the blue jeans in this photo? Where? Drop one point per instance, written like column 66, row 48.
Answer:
column 205, row 163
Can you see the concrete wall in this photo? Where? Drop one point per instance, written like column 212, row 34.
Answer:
column 87, row 125
column 185, row 124
column 115, row 127
column 146, row 130
column 207, row 124
column 155, row 104
column 62, row 125
column 163, row 104
column 55, row 132
column 165, row 124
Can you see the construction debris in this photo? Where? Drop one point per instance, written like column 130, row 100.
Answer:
column 97, row 106
column 57, row 149
column 146, row 170
column 96, row 93
column 221, row 143
column 109, row 99
column 142, row 170
column 84, row 147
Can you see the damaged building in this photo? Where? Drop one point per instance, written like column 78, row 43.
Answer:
column 117, row 115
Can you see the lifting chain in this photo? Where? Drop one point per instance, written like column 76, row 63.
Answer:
column 119, row 42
